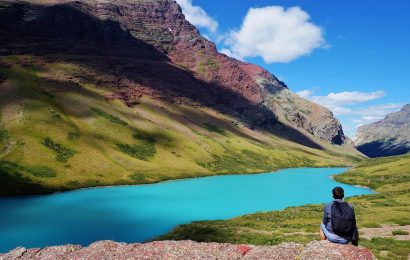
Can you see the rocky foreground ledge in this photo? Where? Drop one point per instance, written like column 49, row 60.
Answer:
column 192, row 250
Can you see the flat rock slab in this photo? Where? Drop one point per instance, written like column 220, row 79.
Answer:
column 192, row 250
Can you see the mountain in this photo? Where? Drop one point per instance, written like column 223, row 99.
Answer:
column 387, row 137
column 119, row 92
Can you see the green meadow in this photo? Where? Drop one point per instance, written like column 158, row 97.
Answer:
column 389, row 177
column 60, row 130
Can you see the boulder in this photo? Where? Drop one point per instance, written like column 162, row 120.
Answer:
column 193, row 250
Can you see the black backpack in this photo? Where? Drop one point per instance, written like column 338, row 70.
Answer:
column 342, row 218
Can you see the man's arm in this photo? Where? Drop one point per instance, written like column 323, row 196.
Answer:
column 355, row 236
column 324, row 220
column 354, row 215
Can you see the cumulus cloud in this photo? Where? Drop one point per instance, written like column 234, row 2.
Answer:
column 306, row 93
column 229, row 53
column 365, row 119
column 337, row 102
column 364, row 116
column 349, row 97
column 276, row 34
column 378, row 111
column 374, row 113
column 197, row 16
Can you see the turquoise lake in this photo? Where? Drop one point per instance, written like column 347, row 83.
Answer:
column 142, row 212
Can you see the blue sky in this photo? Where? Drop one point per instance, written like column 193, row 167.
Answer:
column 350, row 56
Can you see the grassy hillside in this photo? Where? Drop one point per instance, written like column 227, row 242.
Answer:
column 58, row 131
column 389, row 177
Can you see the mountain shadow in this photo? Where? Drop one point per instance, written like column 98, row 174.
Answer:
column 130, row 66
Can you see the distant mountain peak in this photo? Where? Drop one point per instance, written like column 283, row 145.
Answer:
column 389, row 136
column 406, row 108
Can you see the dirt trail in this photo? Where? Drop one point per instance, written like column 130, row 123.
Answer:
column 385, row 231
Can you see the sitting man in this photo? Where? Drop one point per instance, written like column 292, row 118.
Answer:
column 339, row 221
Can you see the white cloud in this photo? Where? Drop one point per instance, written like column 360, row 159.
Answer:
column 366, row 119
column 364, row 116
column 230, row 53
column 276, row 34
column 197, row 16
column 378, row 111
column 349, row 98
column 349, row 106
column 306, row 93
column 337, row 102
column 339, row 110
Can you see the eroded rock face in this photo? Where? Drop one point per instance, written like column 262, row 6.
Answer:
column 193, row 250
column 166, row 58
column 390, row 136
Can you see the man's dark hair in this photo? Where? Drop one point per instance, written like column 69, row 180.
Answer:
column 338, row 193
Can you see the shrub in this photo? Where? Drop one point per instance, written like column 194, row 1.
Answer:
column 91, row 183
column 399, row 232
column 4, row 134
column 142, row 137
column 13, row 182
column 142, row 151
column 62, row 152
column 201, row 67
column 109, row 117
column 371, row 225
column 54, row 115
column 42, row 171
column 213, row 128
column 73, row 135
column 402, row 222
column 213, row 64
column 73, row 183
column 137, row 177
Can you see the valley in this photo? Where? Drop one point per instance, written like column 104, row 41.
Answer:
column 141, row 97
column 100, row 93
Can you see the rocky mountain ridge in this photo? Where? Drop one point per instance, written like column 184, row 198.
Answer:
column 96, row 93
column 179, row 64
column 192, row 250
column 387, row 137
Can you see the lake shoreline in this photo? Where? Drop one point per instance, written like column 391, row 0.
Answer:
column 389, row 205
column 164, row 181
column 164, row 206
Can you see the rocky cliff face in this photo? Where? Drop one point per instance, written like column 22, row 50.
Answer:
column 193, row 250
column 167, row 59
column 390, row 136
